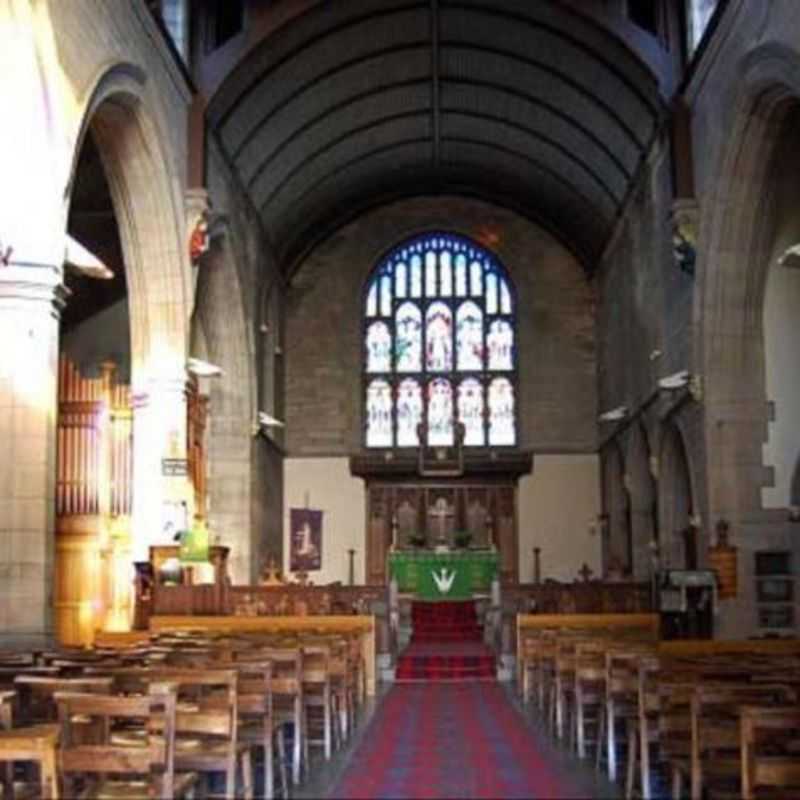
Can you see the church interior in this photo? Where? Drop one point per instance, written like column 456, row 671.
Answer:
column 397, row 398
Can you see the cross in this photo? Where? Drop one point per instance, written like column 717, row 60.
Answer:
column 585, row 572
column 440, row 512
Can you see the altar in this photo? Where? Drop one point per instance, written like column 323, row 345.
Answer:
column 452, row 575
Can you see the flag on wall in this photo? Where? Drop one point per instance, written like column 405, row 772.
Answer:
column 305, row 547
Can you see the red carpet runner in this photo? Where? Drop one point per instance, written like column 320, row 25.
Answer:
column 445, row 645
column 451, row 741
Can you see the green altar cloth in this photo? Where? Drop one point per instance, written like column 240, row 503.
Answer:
column 456, row 575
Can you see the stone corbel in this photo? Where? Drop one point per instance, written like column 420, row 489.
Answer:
column 198, row 212
column 685, row 218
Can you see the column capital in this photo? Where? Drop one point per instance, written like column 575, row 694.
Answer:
column 24, row 284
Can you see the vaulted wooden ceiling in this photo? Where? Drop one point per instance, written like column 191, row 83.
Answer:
column 527, row 104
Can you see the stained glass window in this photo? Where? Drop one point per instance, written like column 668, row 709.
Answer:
column 409, row 413
column 469, row 336
column 409, row 338
column 470, row 411
column 440, row 413
column 379, row 414
column 379, row 348
column 439, row 346
column 439, row 338
column 501, row 412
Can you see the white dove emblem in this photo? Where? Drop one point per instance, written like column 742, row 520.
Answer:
column 443, row 580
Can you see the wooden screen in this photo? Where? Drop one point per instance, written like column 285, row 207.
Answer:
column 436, row 510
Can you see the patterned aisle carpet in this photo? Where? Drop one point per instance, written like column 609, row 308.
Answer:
column 444, row 740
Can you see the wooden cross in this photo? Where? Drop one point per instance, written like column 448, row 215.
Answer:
column 585, row 572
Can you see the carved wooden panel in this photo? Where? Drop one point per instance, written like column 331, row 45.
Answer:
column 487, row 510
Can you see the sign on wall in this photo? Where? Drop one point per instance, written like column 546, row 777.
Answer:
column 305, row 550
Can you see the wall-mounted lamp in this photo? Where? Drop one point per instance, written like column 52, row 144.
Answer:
column 203, row 369
column 790, row 257
column 78, row 258
column 677, row 380
column 614, row 415
column 266, row 421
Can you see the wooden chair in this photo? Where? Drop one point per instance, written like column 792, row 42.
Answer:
column 94, row 765
column 589, row 694
column 769, row 755
column 257, row 724
column 620, row 702
column 36, row 744
column 206, row 725
column 716, row 735
column 288, row 706
column 36, row 694
column 317, row 698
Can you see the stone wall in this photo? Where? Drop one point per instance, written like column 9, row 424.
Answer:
column 557, row 406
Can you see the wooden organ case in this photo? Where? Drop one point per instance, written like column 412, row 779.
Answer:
column 93, row 572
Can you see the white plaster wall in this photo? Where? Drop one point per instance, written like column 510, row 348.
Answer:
column 557, row 504
column 781, row 307
column 333, row 490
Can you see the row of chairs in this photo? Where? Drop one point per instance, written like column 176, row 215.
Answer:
column 708, row 726
column 181, row 709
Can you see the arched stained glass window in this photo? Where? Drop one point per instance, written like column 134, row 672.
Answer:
column 439, row 341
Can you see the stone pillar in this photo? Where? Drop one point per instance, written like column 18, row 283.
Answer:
column 31, row 299
column 159, row 489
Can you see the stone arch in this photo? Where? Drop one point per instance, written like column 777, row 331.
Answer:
column 616, row 510
column 150, row 216
column 125, row 123
column 220, row 334
column 643, row 499
column 732, row 278
column 678, row 546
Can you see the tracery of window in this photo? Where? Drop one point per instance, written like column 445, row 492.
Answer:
column 439, row 343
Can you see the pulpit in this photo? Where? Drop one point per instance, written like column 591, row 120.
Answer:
column 164, row 584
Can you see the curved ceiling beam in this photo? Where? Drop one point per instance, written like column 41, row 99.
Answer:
column 360, row 160
column 340, row 107
column 347, row 107
column 395, row 187
column 249, row 78
column 302, row 89
column 514, row 19
column 306, row 160
column 301, row 226
column 559, row 78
